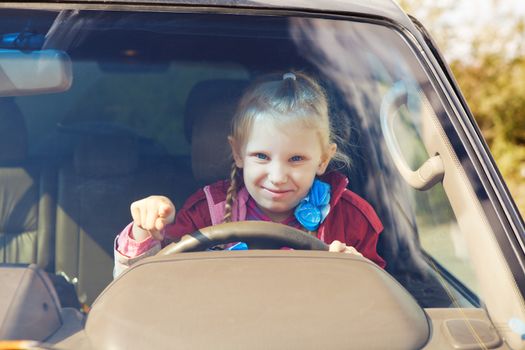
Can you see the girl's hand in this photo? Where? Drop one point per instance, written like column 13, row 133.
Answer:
column 150, row 217
column 340, row 247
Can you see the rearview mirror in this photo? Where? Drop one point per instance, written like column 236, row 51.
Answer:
column 34, row 72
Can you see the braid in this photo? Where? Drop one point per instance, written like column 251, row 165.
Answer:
column 231, row 194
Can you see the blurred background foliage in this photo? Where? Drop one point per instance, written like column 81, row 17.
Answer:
column 490, row 70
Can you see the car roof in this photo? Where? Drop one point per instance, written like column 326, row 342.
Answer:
column 385, row 9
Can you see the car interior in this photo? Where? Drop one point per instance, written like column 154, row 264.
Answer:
column 83, row 201
column 74, row 192
column 148, row 113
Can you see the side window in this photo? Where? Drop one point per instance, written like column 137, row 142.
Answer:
column 439, row 235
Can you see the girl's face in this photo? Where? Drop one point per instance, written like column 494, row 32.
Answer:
column 279, row 165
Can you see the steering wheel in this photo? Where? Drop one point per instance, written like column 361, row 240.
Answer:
column 257, row 234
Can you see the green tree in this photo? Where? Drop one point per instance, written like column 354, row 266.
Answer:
column 492, row 79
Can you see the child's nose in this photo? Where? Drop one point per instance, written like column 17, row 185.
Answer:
column 277, row 174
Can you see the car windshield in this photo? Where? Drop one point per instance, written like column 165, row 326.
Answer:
column 146, row 108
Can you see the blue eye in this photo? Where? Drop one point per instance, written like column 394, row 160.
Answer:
column 296, row 158
column 261, row 156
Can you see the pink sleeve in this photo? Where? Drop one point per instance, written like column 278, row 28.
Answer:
column 129, row 247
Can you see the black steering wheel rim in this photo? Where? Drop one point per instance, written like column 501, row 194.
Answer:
column 257, row 234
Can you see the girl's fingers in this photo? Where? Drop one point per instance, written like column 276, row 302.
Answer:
column 151, row 217
column 157, row 235
column 152, row 214
column 167, row 212
column 160, row 223
column 135, row 214
column 352, row 250
column 143, row 217
column 164, row 210
column 337, row 247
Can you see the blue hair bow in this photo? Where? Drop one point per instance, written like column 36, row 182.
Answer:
column 313, row 209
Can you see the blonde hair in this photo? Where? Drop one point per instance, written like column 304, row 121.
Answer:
column 289, row 98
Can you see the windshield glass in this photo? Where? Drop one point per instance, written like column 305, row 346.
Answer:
column 148, row 112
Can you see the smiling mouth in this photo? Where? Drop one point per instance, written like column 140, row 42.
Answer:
column 277, row 193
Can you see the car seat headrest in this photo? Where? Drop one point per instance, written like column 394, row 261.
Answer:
column 13, row 132
column 105, row 155
column 209, row 110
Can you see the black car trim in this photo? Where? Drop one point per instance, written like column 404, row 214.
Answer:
column 458, row 286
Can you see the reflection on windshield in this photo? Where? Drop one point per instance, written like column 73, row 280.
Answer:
column 364, row 61
column 123, row 131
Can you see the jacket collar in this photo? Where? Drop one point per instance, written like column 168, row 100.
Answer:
column 338, row 183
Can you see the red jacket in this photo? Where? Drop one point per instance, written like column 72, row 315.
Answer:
column 351, row 220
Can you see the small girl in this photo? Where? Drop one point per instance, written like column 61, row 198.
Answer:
column 282, row 143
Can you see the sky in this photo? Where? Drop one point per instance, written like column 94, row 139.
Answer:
column 466, row 19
